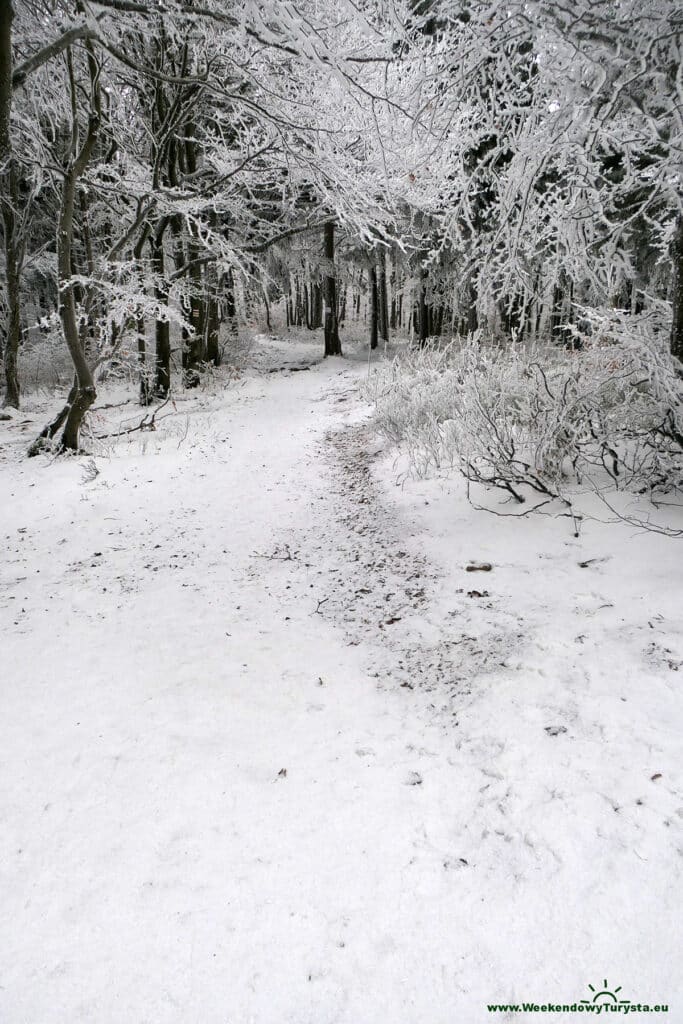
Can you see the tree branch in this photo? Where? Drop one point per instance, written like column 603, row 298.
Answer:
column 48, row 52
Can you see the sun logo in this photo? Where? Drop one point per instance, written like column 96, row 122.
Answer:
column 606, row 995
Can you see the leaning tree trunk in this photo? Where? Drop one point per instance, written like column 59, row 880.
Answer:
column 85, row 391
column 9, row 207
column 49, row 431
column 331, row 326
column 82, row 394
column 677, row 292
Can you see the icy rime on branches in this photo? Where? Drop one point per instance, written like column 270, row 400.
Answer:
column 173, row 170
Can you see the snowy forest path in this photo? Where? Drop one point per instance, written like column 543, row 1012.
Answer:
column 206, row 791
column 265, row 761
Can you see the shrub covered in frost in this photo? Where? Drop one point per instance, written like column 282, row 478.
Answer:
column 537, row 420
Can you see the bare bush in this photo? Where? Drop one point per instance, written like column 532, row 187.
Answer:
column 542, row 422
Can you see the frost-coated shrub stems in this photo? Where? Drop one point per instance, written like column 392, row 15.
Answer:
column 605, row 415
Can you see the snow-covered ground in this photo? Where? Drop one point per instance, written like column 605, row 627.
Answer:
column 271, row 755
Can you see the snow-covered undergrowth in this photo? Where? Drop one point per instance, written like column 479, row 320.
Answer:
column 540, row 422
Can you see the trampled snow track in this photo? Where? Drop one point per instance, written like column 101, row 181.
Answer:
column 389, row 595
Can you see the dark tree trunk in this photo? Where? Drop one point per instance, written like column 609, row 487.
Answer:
column 13, row 322
column 316, row 306
column 193, row 349
column 472, row 317
column 88, row 298
column 331, row 327
column 290, row 304
column 423, row 311
column 86, row 393
column 194, row 311
column 141, row 331
column 677, row 292
column 162, row 329
column 563, row 294
column 230, row 305
column 212, row 326
column 193, row 341
column 342, row 306
column 9, row 206
column 307, row 306
column 373, row 307
column 556, row 315
column 299, row 305
column 145, row 389
column 267, row 308
column 383, row 309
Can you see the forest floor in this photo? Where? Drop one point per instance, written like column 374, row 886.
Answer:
column 270, row 754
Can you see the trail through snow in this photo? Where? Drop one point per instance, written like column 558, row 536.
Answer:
column 267, row 758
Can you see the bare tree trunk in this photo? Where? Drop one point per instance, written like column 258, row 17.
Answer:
column 472, row 316
column 212, row 317
column 193, row 339
column 342, row 306
column 373, row 306
column 86, row 393
column 677, row 291
column 331, row 327
column 213, row 352
column 230, row 305
column 298, row 303
column 89, row 298
column 317, row 307
column 307, row 305
column 13, row 323
column 145, row 389
column 290, row 303
column 423, row 315
column 267, row 308
column 383, row 309
column 9, row 208
column 141, row 331
column 162, row 333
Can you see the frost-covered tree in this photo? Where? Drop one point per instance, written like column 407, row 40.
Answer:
column 509, row 168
